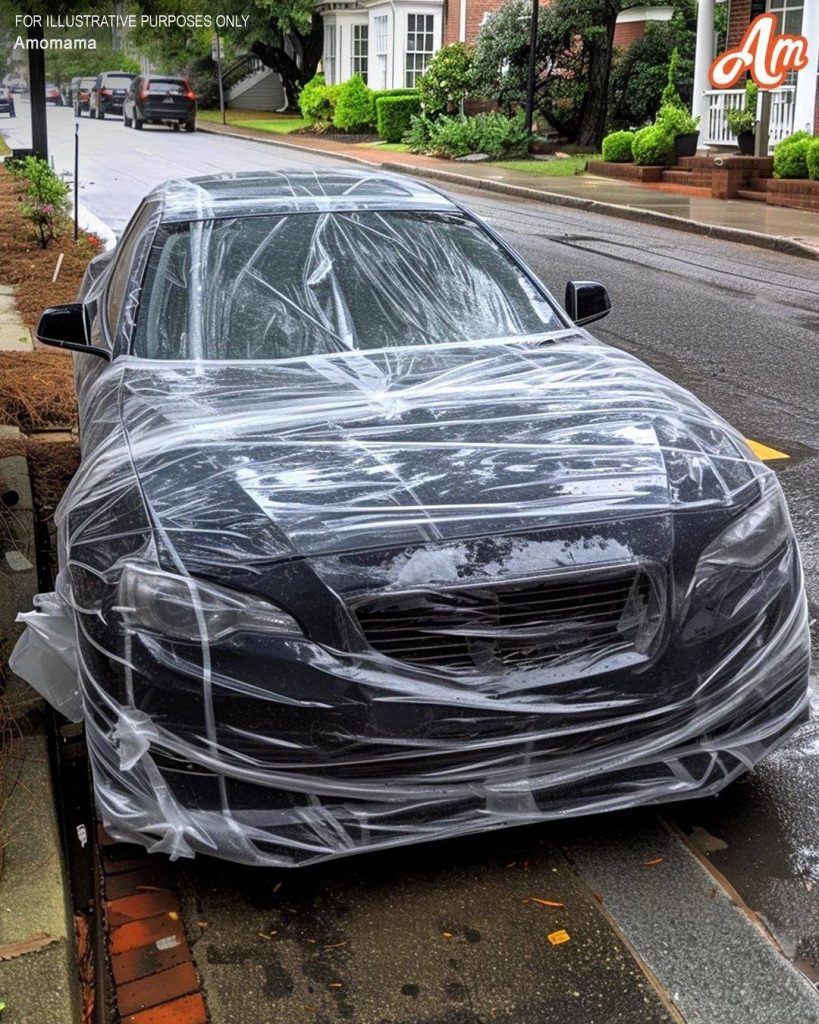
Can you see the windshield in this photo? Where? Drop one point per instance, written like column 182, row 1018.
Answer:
column 290, row 285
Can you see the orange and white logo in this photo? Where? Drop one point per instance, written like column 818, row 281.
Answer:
column 766, row 56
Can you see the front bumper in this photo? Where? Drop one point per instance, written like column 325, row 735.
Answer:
column 367, row 774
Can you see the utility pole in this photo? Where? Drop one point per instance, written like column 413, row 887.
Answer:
column 216, row 54
column 36, row 84
column 530, row 84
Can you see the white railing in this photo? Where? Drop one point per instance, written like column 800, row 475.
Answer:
column 714, row 132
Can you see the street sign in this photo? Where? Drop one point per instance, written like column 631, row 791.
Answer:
column 215, row 47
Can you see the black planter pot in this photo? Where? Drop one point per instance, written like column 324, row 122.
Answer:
column 745, row 141
column 686, row 145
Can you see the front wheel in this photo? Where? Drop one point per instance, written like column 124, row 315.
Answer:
column 92, row 113
column 190, row 126
column 101, row 114
column 126, row 121
column 138, row 123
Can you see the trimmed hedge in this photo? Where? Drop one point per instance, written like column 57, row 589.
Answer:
column 394, row 115
column 355, row 109
column 790, row 158
column 812, row 159
column 617, row 147
column 653, row 145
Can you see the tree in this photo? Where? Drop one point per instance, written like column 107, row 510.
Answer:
column 640, row 72
column 63, row 65
column 286, row 35
column 573, row 66
column 448, row 79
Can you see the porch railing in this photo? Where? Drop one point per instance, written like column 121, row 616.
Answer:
column 714, row 132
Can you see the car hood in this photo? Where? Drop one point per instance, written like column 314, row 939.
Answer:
column 349, row 452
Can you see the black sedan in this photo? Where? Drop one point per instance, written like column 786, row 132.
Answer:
column 372, row 543
column 7, row 101
column 159, row 99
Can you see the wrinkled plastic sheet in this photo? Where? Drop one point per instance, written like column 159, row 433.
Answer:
column 349, row 600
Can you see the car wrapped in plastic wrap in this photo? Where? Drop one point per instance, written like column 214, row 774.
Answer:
column 370, row 544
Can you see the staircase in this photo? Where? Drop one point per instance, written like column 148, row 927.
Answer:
column 249, row 84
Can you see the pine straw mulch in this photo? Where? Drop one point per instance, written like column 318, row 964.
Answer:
column 28, row 267
column 37, row 390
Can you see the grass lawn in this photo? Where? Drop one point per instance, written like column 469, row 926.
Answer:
column 560, row 168
column 261, row 120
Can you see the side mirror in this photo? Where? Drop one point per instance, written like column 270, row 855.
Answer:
column 67, row 327
column 586, row 301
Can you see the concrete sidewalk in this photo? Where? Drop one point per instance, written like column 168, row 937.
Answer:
column 778, row 228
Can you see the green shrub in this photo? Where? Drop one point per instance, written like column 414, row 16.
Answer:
column 493, row 133
column 743, row 119
column 394, row 116
column 617, row 147
column 671, row 94
column 355, row 109
column 45, row 202
column 677, row 121
column 790, row 158
column 653, row 145
column 448, row 79
column 812, row 159
column 317, row 101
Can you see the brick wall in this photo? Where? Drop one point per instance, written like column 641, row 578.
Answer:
column 739, row 17
column 475, row 11
column 628, row 33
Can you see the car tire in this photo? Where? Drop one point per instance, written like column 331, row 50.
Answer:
column 101, row 114
column 92, row 113
column 126, row 121
column 138, row 123
column 175, row 126
column 190, row 126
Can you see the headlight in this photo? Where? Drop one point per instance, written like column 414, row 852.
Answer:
column 751, row 539
column 187, row 609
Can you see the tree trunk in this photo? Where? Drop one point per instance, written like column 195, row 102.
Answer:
column 595, row 107
column 294, row 74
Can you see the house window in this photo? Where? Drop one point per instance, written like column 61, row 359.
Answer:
column 328, row 60
column 788, row 22
column 419, row 46
column 360, row 49
column 380, row 26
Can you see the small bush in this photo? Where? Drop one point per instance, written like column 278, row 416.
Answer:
column 46, row 200
column 790, row 158
column 653, row 145
column 493, row 134
column 448, row 79
column 394, row 116
column 677, row 121
column 617, row 147
column 317, row 100
column 812, row 159
column 419, row 134
column 355, row 109
column 671, row 94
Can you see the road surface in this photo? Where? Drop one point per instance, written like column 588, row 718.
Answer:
column 740, row 327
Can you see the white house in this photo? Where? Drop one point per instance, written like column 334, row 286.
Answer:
column 793, row 106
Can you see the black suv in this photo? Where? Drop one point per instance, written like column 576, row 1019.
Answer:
column 160, row 99
column 108, row 93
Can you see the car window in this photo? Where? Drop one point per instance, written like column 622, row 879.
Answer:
column 273, row 287
column 118, row 81
column 123, row 287
column 167, row 85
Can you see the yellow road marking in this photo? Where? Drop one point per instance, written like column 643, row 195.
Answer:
column 762, row 451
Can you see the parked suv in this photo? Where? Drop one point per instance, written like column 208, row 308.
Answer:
column 160, row 99
column 53, row 94
column 108, row 93
column 81, row 94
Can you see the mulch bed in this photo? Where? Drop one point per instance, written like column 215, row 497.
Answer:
column 345, row 138
column 24, row 263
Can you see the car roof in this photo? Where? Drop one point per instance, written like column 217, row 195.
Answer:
column 252, row 193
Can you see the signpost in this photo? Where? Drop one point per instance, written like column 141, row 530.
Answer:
column 216, row 54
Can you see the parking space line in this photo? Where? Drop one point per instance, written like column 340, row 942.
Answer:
column 762, row 451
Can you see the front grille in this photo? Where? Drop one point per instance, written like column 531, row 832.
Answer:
column 597, row 614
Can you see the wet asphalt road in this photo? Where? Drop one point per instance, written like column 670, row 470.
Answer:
column 737, row 325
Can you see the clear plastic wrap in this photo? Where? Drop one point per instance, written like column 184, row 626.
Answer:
column 328, row 594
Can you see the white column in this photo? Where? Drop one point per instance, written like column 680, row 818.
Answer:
column 702, row 62
column 805, row 113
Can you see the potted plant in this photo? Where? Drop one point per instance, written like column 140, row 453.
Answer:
column 682, row 127
column 742, row 120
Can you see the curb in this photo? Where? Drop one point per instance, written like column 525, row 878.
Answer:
column 788, row 246
column 91, row 223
